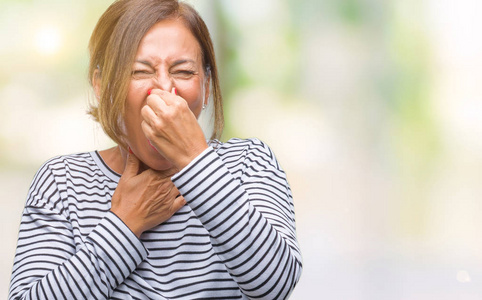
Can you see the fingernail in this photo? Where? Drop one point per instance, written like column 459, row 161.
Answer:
column 130, row 150
column 175, row 91
column 149, row 92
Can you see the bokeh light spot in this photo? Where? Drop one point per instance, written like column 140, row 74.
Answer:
column 463, row 276
column 48, row 40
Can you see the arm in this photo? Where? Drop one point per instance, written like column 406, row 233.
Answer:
column 48, row 264
column 247, row 208
column 250, row 217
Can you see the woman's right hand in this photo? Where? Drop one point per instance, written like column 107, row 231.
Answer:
column 144, row 200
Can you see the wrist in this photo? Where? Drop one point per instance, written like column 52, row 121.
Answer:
column 188, row 158
column 137, row 230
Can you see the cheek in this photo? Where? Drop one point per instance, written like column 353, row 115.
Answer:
column 136, row 97
column 137, row 94
column 191, row 92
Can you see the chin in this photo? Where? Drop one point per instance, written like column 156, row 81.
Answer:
column 158, row 162
column 151, row 158
column 161, row 166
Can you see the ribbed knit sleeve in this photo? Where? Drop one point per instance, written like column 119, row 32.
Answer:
column 242, row 197
column 49, row 264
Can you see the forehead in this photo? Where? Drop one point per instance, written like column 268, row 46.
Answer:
column 169, row 39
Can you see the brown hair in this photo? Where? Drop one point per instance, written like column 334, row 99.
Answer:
column 113, row 46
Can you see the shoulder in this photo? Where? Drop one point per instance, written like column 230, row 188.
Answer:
column 57, row 164
column 252, row 150
column 53, row 173
column 234, row 144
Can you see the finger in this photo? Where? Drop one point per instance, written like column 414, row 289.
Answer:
column 177, row 204
column 174, row 192
column 160, row 92
column 169, row 98
column 132, row 166
column 149, row 132
column 156, row 103
column 149, row 115
column 166, row 191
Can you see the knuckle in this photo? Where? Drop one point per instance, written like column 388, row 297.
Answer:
column 169, row 114
column 156, row 124
column 181, row 105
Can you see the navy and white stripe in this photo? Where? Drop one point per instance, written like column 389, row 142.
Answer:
column 235, row 239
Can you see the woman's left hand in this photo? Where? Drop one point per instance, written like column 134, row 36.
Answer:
column 172, row 128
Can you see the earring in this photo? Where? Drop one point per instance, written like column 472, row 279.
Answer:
column 204, row 106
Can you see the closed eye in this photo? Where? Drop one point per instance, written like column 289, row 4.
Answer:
column 141, row 74
column 183, row 74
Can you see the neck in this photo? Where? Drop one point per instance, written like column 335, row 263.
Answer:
column 115, row 158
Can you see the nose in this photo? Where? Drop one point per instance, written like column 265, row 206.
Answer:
column 163, row 81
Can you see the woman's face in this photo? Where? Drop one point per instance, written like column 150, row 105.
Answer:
column 168, row 57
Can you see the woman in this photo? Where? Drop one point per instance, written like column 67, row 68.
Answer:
column 165, row 214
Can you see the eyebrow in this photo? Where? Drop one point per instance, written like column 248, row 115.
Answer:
column 176, row 63
column 144, row 62
column 183, row 61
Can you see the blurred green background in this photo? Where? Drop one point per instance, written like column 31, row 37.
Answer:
column 373, row 108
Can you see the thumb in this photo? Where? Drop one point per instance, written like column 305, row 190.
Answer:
column 132, row 166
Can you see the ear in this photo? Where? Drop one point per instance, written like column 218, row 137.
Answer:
column 96, row 83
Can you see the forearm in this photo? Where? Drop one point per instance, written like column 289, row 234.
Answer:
column 255, row 243
column 55, row 269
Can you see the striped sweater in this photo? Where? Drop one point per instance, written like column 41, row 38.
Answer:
column 235, row 238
